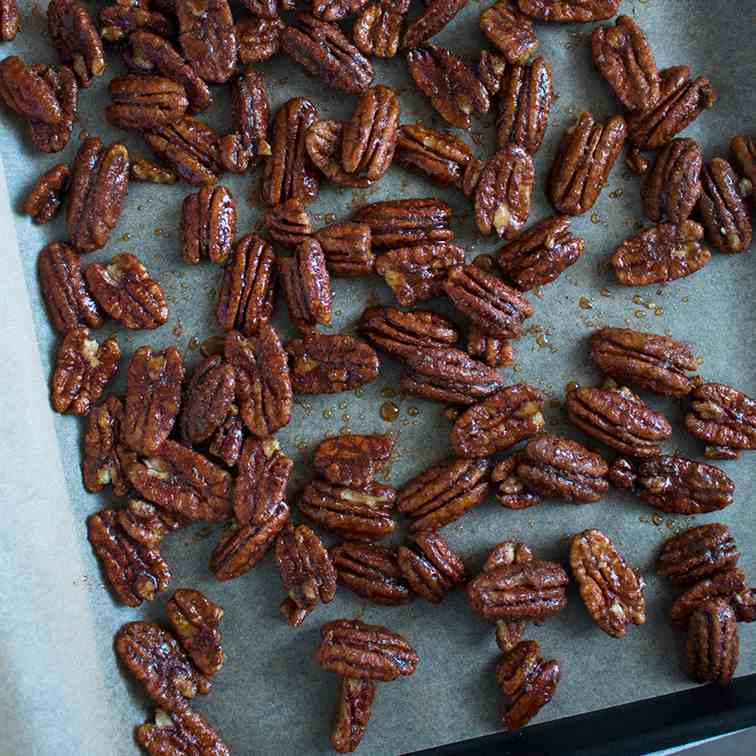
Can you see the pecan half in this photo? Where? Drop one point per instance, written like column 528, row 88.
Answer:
column 724, row 215
column 261, row 480
column 268, row 8
column 180, row 731
column 147, row 524
column 712, row 648
column 336, row 10
column 75, row 39
column 226, row 444
column 494, row 352
column 406, row 222
column 306, row 285
column 404, row 333
column 372, row 572
column 105, row 457
column 377, row 29
column 208, row 37
column 569, row 11
column 154, row 173
column 259, row 38
column 125, row 291
column 698, row 553
column 722, row 585
column 208, row 399
column 46, row 195
column 743, row 152
column 9, row 20
column 430, row 566
column 673, row 186
column 509, row 31
column 208, row 225
column 324, row 142
column 352, row 459
column 436, row 16
column 144, row 103
column 119, row 20
column 195, row 621
column 353, row 713
column 288, row 223
column 347, row 249
column 511, row 491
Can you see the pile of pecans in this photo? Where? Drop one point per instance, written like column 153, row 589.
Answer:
column 178, row 451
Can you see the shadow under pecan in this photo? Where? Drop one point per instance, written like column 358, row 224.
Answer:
column 743, row 153
column 180, row 731
column 119, row 20
column 195, row 621
column 104, row 456
column 208, row 38
column 259, row 38
column 377, row 28
column 352, row 459
column 371, row 572
column 152, row 172
column 208, row 225
column 437, row 14
column 208, row 400
column 723, row 213
column 46, row 196
column 325, row 145
column 406, row 222
column 430, row 566
column 697, row 553
column 405, row 333
column 673, row 186
column 9, row 20
column 353, row 711
column 226, row 443
column 306, row 285
column 75, row 39
column 712, row 649
column 726, row 585
column 495, row 352
column 347, row 249
column 288, row 224
column 261, row 480
column 144, row 103
column 568, row 11
column 509, row 30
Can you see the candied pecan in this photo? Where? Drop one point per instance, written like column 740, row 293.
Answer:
column 352, row 459
column 327, row 364
column 509, row 31
column 335, row 10
column 681, row 101
column 405, row 333
column 9, row 20
column 180, row 732
column 104, row 456
column 75, row 39
column 499, row 421
column 507, row 552
column 353, row 713
column 511, row 491
column 152, row 172
column 430, row 566
column 583, row 162
column 419, row 272
column 208, row 399
column 351, row 648
column 195, row 621
column 259, row 38
column 46, row 195
column 208, row 225
column 227, row 441
column 673, row 187
column 722, row 585
column 443, row 493
column 99, row 184
column 306, row 284
column 288, row 171
column 145, row 103
column 261, row 480
column 288, row 223
column 241, row 548
column 436, row 16
column 744, row 604
column 208, row 37
column 324, row 143
column 125, row 291
column 147, row 524
column 723, row 213
column 453, row 89
column 712, row 648
column 656, row 363
column 372, row 572
column 491, row 68
column 324, row 52
column 406, row 222
column 698, row 553
column 569, row 10
column 268, row 8
column 347, row 249
column 119, row 20
column 377, row 29
column 743, row 152
column 495, row 352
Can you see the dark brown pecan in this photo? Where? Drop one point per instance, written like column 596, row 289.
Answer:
column 119, row 20
column 419, row 272
column 358, row 514
column 377, row 29
column 99, row 184
column 352, row 459
column 75, row 39
column 491, row 68
column 724, row 418
column 335, row 10
column 195, row 621
column 324, row 142
column 406, row 222
column 723, row 212
column 722, row 585
column 453, row 89
column 495, row 352
column 261, row 480
column 46, row 195
column 243, row 546
column 511, row 491
column 288, row 171
column 583, row 162
column 154, row 173
column 151, row 53
column 325, row 53
column 208, row 399
column 744, row 604
column 436, row 16
column 135, row 572
column 372, row 572
column 263, row 383
column 673, row 186
column 9, row 20
column 125, row 291
column 712, row 648
column 498, row 422
column 147, row 524
column 208, row 37
column 353, row 713
column 569, row 10
column 145, row 103
column 347, row 249
column 743, row 152
column 655, row 363
column 208, row 225
column 288, row 223
column 430, row 566
column 509, row 31
column 268, row 8
column 680, row 103
column 327, row 364
column 306, row 285
column 443, row 493
column 226, row 444
column 259, row 38
column 404, row 333
column 307, row 572
column 180, row 732
column 698, row 553
column 105, row 457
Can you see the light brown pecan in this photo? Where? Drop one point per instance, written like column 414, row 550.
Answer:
column 125, row 291
column 208, row 225
column 325, row 53
column 226, row 444
column 180, row 732
column 352, row 713
column 698, row 553
column 352, row 459
column 723, row 212
column 9, row 20
column 443, row 493
column 406, row 222
column 154, row 173
column 208, row 400
column 509, row 31
column 144, row 103
column 147, row 524
column 673, row 186
column 46, row 195
column 105, row 457
column 377, row 29
column 404, row 333
column 726, row 585
column 583, row 162
column 569, row 11
column 712, row 649
column 195, row 621
column 351, row 648
column 259, row 38
column 436, row 16
column 453, row 89
column 288, row 223
column 655, row 363
column 119, row 20
column 743, row 153
column 99, row 184
column 208, row 37
column 347, row 249
column 261, row 480
column 336, row 10
column 75, row 39
column 430, row 566
column 494, row 352
column 306, row 285
column 372, row 572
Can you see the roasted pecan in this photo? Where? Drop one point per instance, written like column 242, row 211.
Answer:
column 288, row 171
column 125, row 291
column 507, row 552
column 99, row 184
column 325, row 144
column 9, row 20
column 353, row 713
column 724, row 418
column 145, row 103
column 268, row 8
column 698, row 553
column 208, row 37
column 351, row 648
column 583, row 162
column 335, row 10
column 46, row 195
column 453, row 89
column 119, row 20
column 743, row 152
column 149, row 170
column 105, row 457
column 259, row 38
column 208, row 399
column 655, row 363
column 509, row 31
column 569, row 10
column 673, row 186
column 325, row 53
column 404, row 333
column 195, row 621
column 722, row 585
column 75, row 39
column 723, row 213
column 436, row 16
column 226, row 444
column 328, row 364
column 511, row 491
column 288, row 223
column 261, row 480
column 495, row 352
column 180, row 732
column 352, row 459
column 430, row 566
column 371, row 572
column 208, row 225
column 147, row 524
column 347, row 249
column 406, row 222
column 443, row 493
column 712, row 648
column 377, row 29
column 306, row 285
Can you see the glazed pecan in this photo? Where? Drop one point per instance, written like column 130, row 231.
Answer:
column 154, row 173
column 743, row 152
column 268, row 8
column 673, row 186
column 195, row 621
column 336, row 10
column 377, row 29
column 46, row 195
column 324, row 143
column 226, row 444
column 698, row 553
column 145, row 103
column 347, row 249
column 75, row 39
column 723, row 213
column 712, row 648
column 245, row 299
column 263, row 383
column 353, row 713
column 208, row 37
column 655, row 363
column 494, row 352
column 99, row 184
column 325, row 53
column 258, row 37
column 436, row 16
column 208, row 225
column 443, row 493
column 419, row 272
column 406, row 222
column 498, row 422
column 509, row 31
column 327, row 364
column 583, row 162
column 147, row 524
column 511, row 491
column 453, row 89
column 306, row 285
column 725, row 585
column 744, row 604
column 104, row 456
column 288, row 171
column 208, row 400
column 430, row 566
column 261, row 480
column 569, row 10
column 125, row 291
column 362, row 514
column 352, row 459
column 351, row 648
column 178, row 732
column 372, row 572
column 119, row 20
column 9, row 20
column 288, row 223
column 508, row 633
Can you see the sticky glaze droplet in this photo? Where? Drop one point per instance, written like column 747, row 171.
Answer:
column 585, row 303
column 657, row 519
column 658, row 311
column 194, row 342
column 413, row 411
column 327, row 414
column 640, row 314
column 571, row 386
column 389, row 411
column 595, row 218
column 605, row 292
column 126, row 237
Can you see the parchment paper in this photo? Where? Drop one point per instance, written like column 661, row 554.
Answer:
column 63, row 692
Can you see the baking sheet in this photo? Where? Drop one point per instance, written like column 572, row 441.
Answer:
column 63, row 692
